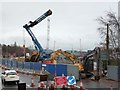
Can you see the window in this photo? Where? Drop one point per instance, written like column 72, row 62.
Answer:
column 11, row 73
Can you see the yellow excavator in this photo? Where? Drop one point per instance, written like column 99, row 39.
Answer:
column 33, row 57
column 55, row 54
column 71, row 57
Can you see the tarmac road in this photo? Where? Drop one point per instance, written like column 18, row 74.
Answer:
column 87, row 83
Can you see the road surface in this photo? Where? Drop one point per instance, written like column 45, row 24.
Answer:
column 87, row 83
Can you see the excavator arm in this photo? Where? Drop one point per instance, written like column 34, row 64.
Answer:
column 55, row 54
column 71, row 57
column 96, row 57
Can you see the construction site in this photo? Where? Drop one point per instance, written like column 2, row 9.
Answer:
column 43, row 68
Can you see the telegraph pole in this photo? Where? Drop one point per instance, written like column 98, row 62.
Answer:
column 107, row 44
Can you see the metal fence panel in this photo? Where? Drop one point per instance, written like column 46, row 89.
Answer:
column 20, row 65
column 73, row 70
column 31, row 65
column 26, row 65
column 113, row 72
column 37, row 66
column 1, row 61
column 60, row 69
column 6, row 63
column 14, row 64
column 119, row 73
column 9, row 63
column 50, row 68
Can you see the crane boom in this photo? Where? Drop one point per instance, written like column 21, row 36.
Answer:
column 31, row 24
column 37, row 45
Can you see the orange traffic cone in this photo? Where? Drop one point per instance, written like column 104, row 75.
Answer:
column 27, row 72
column 34, row 73
column 81, row 85
column 38, row 85
column 17, row 70
column 111, row 86
column 51, row 86
column 42, row 85
column 32, row 82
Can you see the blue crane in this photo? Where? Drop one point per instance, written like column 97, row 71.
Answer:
column 41, row 53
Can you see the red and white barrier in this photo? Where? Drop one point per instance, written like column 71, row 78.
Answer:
column 81, row 85
column 17, row 70
column 42, row 84
column 32, row 82
column 38, row 85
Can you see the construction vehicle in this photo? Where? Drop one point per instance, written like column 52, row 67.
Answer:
column 66, row 54
column 90, row 69
column 70, row 57
column 40, row 53
column 87, row 67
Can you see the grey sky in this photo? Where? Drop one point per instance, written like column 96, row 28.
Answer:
column 70, row 22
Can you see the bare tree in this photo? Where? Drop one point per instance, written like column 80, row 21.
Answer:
column 113, row 22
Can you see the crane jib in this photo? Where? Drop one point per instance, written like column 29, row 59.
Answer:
column 49, row 12
column 37, row 45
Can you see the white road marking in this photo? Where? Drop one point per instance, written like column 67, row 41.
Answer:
column 28, row 85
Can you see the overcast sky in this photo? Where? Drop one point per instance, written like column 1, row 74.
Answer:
column 69, row 22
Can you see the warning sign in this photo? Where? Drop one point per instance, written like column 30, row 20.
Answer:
column 60, row 80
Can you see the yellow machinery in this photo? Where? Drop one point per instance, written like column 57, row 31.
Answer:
column 80, row 66
column 55, row 54
column 33, row 57
column 72, row 57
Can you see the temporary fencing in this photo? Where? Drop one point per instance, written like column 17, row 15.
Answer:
column 35, row 67
column 29, row 67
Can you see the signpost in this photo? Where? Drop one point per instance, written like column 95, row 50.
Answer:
column 71, row 80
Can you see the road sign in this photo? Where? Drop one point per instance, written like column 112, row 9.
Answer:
column 44, row 65
column 60, row 80
column 71, row 80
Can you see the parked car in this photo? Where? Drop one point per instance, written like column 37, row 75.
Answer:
column 10, row 76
